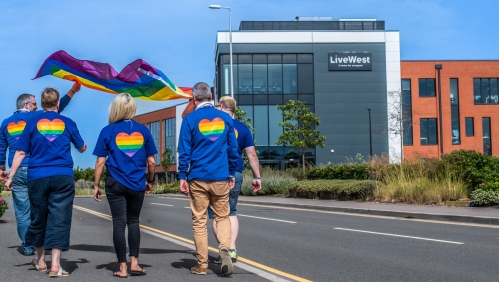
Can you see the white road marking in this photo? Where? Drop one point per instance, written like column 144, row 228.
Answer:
column 187, row 207
column 402, row 236
column 162, row 204
column 273, row 219
column 247, row 267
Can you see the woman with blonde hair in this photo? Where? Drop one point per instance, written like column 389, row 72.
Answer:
column 47, row 139
column 127, row 149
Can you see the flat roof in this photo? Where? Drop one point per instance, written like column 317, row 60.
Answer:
column 344, row 24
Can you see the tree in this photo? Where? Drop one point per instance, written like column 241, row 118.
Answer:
column 299, row 128
column 239, row 115
column 399, row 120
column 167, row 160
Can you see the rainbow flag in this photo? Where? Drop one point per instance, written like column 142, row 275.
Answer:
column 138, row 79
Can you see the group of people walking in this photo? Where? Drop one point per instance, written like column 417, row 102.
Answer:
column 42, row 181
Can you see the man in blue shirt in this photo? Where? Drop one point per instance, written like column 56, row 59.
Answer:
column 11, row 129
column 245, row 142
column 208, row 153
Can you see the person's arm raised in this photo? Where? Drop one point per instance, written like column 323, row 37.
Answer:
column 69, row 95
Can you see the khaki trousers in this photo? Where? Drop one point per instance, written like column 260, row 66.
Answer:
column 216, row 194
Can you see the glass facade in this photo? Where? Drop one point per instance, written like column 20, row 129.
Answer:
column 169, row 137
column 261, row 83
column 454, row 103
column 428, row 130
column 154, row 128
column 487, row 142
column 426, row 87
column 406, row 112
column 485, row 91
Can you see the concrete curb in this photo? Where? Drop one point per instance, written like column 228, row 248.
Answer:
column 402, row 214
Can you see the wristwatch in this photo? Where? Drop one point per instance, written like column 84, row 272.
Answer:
column 150, row 182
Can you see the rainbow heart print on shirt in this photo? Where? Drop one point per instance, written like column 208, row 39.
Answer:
column 236, row 132
column 51, row 129
column 129, row 144
column 15, row 129
column 212, row 128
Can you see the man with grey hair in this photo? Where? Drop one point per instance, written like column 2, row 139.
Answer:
column 208, row 152
column 11, row 130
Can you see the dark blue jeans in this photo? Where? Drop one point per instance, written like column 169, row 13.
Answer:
column 20, row 198
column 51, row 201
column 125, row 205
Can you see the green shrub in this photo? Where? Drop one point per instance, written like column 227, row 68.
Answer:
column 169, row 188
column 3, row 206
column 478, row 171
column 274, row 182
column 342, row 171
column 332, row 189
column 485, row 198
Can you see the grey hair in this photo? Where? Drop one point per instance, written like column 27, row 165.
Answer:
column 202, row 91
column 23, row 99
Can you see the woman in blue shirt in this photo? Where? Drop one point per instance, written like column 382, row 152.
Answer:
column 129, row 149
column 47, row 139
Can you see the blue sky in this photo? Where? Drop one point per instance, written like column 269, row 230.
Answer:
column 178, row 37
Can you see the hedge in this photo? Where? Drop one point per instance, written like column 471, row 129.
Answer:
column 332, row 189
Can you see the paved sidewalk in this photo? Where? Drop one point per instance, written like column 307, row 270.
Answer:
column 478, row 215
column 91, row 256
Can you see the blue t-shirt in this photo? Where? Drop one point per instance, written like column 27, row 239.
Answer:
column 126, row 144
column 244, row 140
column 207, row 145
column 47, row 138
column 12, row 128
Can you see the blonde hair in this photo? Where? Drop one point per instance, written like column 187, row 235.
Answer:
column 122, row 107
column 50, row 99
column 228, row 102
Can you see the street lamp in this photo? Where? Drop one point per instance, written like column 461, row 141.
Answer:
column 217, row 7
column 370, row 135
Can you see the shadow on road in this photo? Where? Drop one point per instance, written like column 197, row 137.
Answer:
column 110, row 249
column 68, row 265
column 189, row 263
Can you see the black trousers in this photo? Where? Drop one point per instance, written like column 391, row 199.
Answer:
column 125, row 205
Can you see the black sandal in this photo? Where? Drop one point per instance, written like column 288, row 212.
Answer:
column 117, row 274
column 137, row 272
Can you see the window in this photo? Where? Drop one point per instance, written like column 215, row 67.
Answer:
column 275, row 78
column 406, row 112
column 487, row 142
column 426, row 87
column 470, row 129
column 245, row 76
column 289, row 78
column 260, row 79
column 428, row 131
column 154, row 128
column 485, row 91
column 170, row 133
column 454, row 103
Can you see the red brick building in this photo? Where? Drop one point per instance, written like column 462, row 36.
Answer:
column 466, row 118
column 163, row 126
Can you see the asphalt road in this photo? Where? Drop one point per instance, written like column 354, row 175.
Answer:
column 329, row 246
column 290, row 243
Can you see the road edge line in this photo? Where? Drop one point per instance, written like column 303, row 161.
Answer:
column 246, row 264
